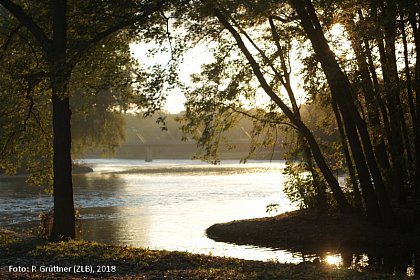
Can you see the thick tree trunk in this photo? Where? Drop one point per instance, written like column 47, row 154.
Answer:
column 64, row 220
column 61, row 60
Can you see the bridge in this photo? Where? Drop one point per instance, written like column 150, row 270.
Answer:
column 146, row 140
column 167, row 145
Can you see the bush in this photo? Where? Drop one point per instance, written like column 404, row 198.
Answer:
column 299, row 186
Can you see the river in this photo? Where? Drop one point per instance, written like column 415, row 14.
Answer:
column 166, row 204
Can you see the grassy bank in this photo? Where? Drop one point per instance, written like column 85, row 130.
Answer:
column 389, row 249
column 304, row 231
column 116, row 262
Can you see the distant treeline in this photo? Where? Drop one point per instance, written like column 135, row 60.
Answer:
column 166, row 140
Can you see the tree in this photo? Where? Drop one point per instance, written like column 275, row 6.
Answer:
column 65, row 32
column 229, row 89
column 370, row 104
column 100, row 91
column 342, row 94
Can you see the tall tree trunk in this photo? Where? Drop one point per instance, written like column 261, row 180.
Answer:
column 410, row 99
column 352, row 174
column 377, row 96
column 413, row 13
column 64, row 220
column 407, row 71
column 392, row 87
column 379, row 101
column 371, row 106
column 373, row 210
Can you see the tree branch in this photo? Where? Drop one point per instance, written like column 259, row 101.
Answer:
column 286, row 72
column 256, row 68
column 12, row 34
column 29, row 23
column 168, row 33
column 141, row 17
column 284, row 20
column 285, row 78
column 270, row 121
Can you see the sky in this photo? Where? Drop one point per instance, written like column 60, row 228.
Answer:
column 193, row 60
column 200, row 54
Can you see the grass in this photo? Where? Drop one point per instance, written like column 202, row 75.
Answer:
column 137, row 263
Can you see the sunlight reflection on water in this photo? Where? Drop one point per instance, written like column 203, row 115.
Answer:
column 334, row 260
column 168, row 204
column 129, row 202
column 172, row 212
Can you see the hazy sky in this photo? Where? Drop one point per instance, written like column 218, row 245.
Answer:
column 199, row 55
column 193, row 60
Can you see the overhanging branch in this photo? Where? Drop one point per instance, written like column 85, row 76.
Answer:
column 29, row 23
column 142, row 17
column 270, row 121
column 9, row 40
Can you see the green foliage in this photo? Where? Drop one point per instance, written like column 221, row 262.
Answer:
column 299, row 186
column 153, row 83
column 320, row 118
column 223, row 94
column 100, row 91
column 104, row 83
column 97, row 86
column 26, row 133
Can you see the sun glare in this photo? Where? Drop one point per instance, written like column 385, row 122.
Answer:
column 334, row 260
column 337, row 30
column 339, row 42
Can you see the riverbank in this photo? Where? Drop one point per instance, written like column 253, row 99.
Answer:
column 21, row 252
column 303, row 231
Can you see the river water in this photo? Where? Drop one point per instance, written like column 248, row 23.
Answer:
column 165, row 204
